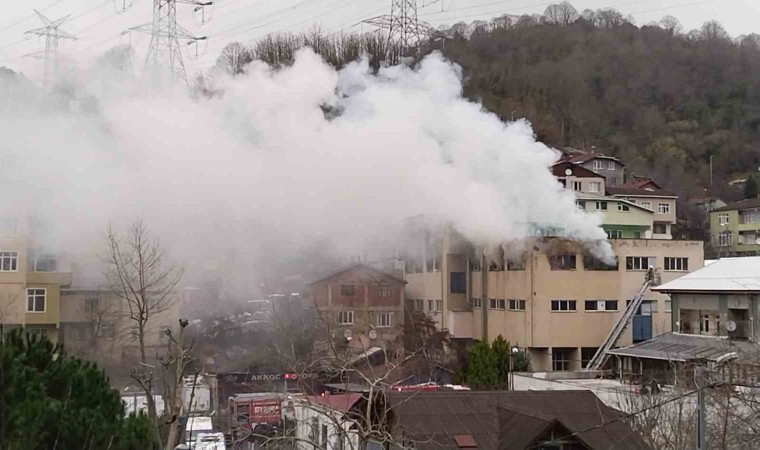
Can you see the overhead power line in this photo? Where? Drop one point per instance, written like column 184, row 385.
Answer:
column 53, row 33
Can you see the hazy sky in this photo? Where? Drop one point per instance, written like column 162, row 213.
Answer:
column 98, row 24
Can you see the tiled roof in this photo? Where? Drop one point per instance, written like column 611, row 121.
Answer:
column 558, row 169
column 741, row 204
column 358, row 266
column 509, row 419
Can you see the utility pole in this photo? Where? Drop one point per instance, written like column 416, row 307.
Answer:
column 52, row 32
column 164, row 50
column 405, row 30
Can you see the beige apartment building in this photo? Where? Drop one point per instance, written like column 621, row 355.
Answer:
column 547, row 295
column 31, row 279
column 96, row 325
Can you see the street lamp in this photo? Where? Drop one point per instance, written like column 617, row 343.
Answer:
column 515, row 350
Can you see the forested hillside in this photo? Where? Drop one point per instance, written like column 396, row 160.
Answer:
column 662, row 100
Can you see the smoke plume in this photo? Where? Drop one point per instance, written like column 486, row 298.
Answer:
column 283, row 157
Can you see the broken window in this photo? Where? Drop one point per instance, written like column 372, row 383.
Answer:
column 562, row 262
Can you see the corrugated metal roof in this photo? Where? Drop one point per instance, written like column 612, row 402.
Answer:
column 724, row 275
column 685, row 347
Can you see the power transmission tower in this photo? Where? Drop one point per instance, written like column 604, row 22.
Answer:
column 164, row 50
column 404, row 28
column 52, row 32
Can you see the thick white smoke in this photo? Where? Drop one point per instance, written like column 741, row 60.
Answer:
column 297, row 153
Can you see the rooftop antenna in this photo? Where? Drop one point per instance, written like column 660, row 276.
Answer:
column 52, row 33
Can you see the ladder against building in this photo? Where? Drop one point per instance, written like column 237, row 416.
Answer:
column 600, row 357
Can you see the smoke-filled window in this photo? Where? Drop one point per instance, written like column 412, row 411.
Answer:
column 562, row 262
column 592, row 263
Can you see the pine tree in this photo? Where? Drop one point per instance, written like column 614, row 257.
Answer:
column 51, row 400
column 488, row 367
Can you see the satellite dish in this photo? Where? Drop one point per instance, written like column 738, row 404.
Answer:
column 731, row 325
column 568, row 172
column 372, row 334
column 347, row 334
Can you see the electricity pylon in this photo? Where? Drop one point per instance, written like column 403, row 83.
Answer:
column 404, row 28
column 164, row 50
column 52, row 32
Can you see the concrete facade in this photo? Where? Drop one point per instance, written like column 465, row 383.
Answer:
column 735, row 228
column 31, row 279
column 536, row 297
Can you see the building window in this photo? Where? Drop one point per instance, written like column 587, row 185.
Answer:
column 622, row 207
column 562, row 262
column 563, row 305
column 419, row 304
column 107, row 330
column 725, row 239
column 595, row 187
column 347, row 289
column 346, row 317
column 497, row 303
column 614, row 234
column 647, row 205
column 41, row 262
column 749, row 216
column 8, row 261
column 612, row 181
column 477, row 303
column 384, row 291
column 587, row 353
column 677, row 264
column 610, row 164
column 495, row 267
column 663, row 208
column 35, row 300
column 647, row 307
column 601, row 305
column 596, row 165
column 601, row 206
column 722, row 219
column 590, row 262
column 560, row 359
column 314, row 432
column 324, row 437
column 640, row 262
column 577, row 186
column 383, row 320
column 748, row 238
column 516, row 265
column 581, row 204
column 660, row 228
column 668, row 306
column 435, row 305
column 458, row 283
column 8, row 226
column 516, row 305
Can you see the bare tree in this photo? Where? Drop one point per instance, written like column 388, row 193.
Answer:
column 671, row 25
column 234, row 57
column 175, row 364
column 140, row 274
column 560, row 14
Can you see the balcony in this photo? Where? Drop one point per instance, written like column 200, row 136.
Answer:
column 62, row 279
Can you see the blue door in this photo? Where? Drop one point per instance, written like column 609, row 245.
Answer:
column 642, row 328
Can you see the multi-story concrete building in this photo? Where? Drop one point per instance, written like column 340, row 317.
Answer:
column 362, row 304
column 96, row 325
column 662, row 204
column 548, row 295
column 31, row 279
column 610, row 167
column 735, row 228
column 624, row 217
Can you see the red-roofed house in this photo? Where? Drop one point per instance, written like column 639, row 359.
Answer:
column 611, row 168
